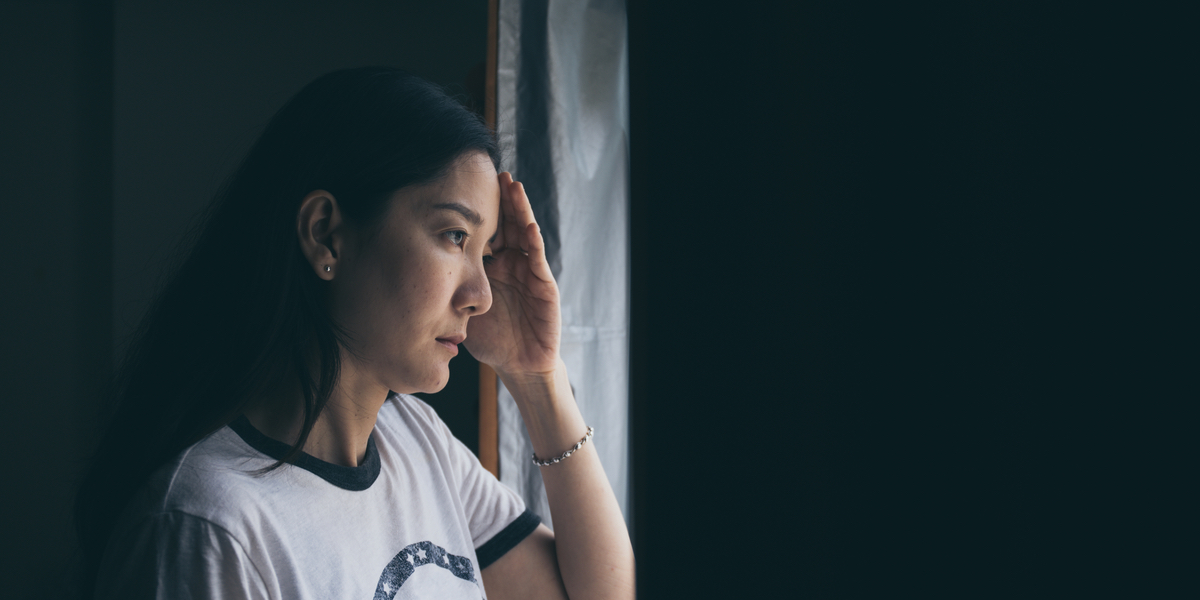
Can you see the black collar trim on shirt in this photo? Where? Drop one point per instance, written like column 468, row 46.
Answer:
column 354, row 479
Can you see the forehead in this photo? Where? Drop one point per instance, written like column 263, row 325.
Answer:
column 470, row 188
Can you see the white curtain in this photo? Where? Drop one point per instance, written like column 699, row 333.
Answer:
column 563, row 119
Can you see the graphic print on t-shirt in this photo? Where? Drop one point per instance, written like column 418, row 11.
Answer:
column 418, row 555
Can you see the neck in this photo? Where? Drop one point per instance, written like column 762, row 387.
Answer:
column 341, row 432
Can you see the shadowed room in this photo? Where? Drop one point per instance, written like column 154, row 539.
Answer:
column 597, row 299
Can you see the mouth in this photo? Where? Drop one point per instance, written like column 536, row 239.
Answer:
column 451, row 342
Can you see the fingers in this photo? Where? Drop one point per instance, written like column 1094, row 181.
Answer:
column 514, row 202
column 504, row 232
column 535, row 248
column 513, row 228
column 522, row 210
column 521, row 230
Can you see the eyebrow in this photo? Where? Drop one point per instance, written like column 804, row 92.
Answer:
column 471, row 216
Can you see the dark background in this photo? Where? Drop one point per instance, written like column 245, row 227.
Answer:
column 908, row 282
column 910, row 295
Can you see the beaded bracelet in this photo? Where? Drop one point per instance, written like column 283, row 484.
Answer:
column 564, row 455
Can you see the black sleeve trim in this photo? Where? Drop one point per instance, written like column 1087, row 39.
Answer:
column 507, row 539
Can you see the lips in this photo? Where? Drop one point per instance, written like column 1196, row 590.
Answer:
column 451, row 342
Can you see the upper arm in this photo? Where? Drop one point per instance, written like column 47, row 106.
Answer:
column 175, row 555
column 529, row 570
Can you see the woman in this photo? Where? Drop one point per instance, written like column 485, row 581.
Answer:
column 264, row 443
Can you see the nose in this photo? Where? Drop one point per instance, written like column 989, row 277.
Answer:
column 474, row 295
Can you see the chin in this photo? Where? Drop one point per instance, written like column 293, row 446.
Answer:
column 437, row 387
column 429, row 381
column 437, row 380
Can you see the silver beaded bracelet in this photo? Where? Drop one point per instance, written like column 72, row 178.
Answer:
column 564, row 455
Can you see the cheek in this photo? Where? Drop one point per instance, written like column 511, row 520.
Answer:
column 401, row 298
column 375, row 298
column 416, row 295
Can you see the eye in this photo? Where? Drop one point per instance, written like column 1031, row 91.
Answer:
column 456, row 237
column 489, row 259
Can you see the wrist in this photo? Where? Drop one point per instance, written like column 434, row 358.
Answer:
column 537, row 384
column 548, row 408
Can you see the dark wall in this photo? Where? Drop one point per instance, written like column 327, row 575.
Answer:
column 119, row 121
column 55, row 334
column 899, row 272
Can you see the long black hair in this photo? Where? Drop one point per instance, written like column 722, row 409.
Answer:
column 244, row 314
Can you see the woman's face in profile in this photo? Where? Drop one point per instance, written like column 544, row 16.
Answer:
column 405, row 295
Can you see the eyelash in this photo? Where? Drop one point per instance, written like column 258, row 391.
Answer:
column 487, row 260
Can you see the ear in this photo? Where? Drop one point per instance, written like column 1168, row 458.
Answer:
column 322, row 233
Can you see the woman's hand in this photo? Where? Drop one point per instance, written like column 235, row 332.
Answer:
column 519, row 336
column 588, row 555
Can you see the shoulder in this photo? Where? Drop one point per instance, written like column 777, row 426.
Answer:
column 178, row 555
column 411, row 415
column 409, row 425
column 207, row 499
column 213, row 480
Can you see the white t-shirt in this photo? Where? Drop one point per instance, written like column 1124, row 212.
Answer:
column 419, row 518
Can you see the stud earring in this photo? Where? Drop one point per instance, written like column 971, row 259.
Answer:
column 327, row 269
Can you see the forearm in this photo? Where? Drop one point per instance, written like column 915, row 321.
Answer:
column 594, row 554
